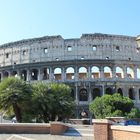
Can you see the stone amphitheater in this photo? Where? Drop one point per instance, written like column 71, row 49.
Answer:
column 91, row 65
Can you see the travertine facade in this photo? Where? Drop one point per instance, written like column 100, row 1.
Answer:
column 92, row 65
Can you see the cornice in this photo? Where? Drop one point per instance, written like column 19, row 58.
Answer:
column 32, row 40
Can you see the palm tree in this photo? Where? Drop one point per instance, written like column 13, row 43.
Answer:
column 15, row 94
column 61, row 102
column 40, row 101
column 51, row 101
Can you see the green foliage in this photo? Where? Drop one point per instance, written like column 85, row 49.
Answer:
column 134, row 113
column 113, row 106
column 15, row 94
column 51, row 101
column 62, row 103
column 40, row 102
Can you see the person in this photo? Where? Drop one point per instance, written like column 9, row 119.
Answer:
column 83, row 114
column 14, row 120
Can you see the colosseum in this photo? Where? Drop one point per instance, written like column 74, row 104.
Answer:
column 92, row 65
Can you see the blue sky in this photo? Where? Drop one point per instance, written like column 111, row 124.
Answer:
column 23, row 19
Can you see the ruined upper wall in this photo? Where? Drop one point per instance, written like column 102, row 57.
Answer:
column 55, row 48
column 32, row 40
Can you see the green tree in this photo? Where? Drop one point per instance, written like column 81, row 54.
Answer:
column 62, row 104
column 15, row 94
column 112, row 106
column 51, row 101
column 40, row 101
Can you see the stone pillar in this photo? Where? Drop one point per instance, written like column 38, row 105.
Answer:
column 114, row 72
column 51, row 75
column 63, row 74
column 38, row 76
column 18, row 74
column 76, row 92
column 76, row 73
column 101, row 129
column 90, row 95
column 102, row 72
column 125, row 91
column 28, row 75
column 125, row 72
column 89, row 73
column 103, row 89
column 135, row 73
column 136, row 92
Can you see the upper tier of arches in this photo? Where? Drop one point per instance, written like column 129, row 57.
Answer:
column 72, row 72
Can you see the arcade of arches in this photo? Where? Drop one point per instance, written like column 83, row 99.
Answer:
column 87, row 83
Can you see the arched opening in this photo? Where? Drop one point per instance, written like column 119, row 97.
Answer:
column 46, row 74
column 120, row 91
column 107, row 72
column 95, row 73
column 130, row 72
column 57, row 73
column 138, row 73
column 119, row 72
column 109, row 91
column 34, row 74
column 5, row 74
column 83, row 95
column 82, row 73
column 96, row 93
column 24, row 75
column 70, row 73
column 131, row 94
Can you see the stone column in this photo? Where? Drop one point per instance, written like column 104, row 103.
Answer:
column 89, row 72
column 114, row 72
column 18, row 74
column 125, row 91
column 63, row 74
column 136, row 94
column 76, row 93
column 39, row 75
column 125, row 72
column 1, row 76
column 28, row 75
column 102, row 73
column 90, row 95
column 103, row 89
column 76, row 73
column 51, row 75
column 135, row 73
column 77, row 100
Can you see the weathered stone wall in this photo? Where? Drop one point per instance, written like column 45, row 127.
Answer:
column 75, row 62
column 113, row 47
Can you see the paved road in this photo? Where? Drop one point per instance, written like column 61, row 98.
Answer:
column 41, row 137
